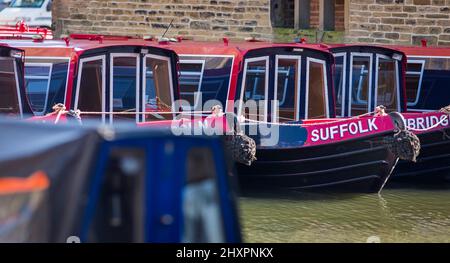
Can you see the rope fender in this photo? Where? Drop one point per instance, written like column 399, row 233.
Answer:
column 241, row 147
column 404, row 144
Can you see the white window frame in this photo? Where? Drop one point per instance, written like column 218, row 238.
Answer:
column 63, row 59
column 275, row 94
column 102, row 58
column 325, row 82
column 111, row 81
column 416, row 73
column 184, row 57
column 48, row 78
column 397, row 81
column 344, row 80
column 266, row 88
column 350, row 86
column 144, row 89
column 201, row 62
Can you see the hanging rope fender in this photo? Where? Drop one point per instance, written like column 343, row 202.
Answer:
column 404, row 144
column 241, row 147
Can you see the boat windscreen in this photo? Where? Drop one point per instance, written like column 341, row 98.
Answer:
column 317, row 96
column 125, row 85
column 287, row 88
column 45, row 83
column 387, row 89
column 9, row 96
column 339, row 82
column 255, row 89
column 91, row 87
column 158, row 87
column 360, row 84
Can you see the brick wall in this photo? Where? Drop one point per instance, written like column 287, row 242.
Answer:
column 200, row 19
column 399, row 21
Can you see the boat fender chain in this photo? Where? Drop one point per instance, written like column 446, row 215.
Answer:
column 241, row 147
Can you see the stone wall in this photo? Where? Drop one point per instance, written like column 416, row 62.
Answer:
column 199, row 19
column 399, row 21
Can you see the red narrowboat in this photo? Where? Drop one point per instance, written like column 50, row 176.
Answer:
column 392, row 76
column 99, row 74
column 293, row 82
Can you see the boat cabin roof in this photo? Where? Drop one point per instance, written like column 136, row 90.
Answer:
column 76, row 44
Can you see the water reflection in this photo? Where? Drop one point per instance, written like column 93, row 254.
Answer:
column 399, row 214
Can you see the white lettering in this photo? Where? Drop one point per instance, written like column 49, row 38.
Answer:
column 315, row 135
column 353, row 128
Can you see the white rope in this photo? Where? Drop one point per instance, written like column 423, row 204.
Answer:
column 429, row 128
column 306, row 124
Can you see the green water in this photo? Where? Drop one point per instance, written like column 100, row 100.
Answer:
column 400, row 214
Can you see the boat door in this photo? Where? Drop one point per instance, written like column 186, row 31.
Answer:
column 125, row 85
column 366, row 77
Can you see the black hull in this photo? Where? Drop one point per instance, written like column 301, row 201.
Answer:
column 362, row 165
column 433, row 162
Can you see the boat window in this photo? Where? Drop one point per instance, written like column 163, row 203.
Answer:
column 339, row 82
column 210, row 74
column 201, row 202
column 9, row 97
column 37, row 84
column 287, row 81
column 191, row 73
column 125, row 85
column 91, row 86
column 414, row 72
column 255, row 89
column 158, row 87
column 316, row 90
column 45, row 82
column 387, row 88
column 360, row 85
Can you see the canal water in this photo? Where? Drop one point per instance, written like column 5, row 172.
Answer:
column 402, row 213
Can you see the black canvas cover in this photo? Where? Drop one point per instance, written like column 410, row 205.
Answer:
column 65, row 155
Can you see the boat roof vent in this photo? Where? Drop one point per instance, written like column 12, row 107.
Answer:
column 424, row 42
column 225, row 41
column 99, row 38
column 300, row 40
